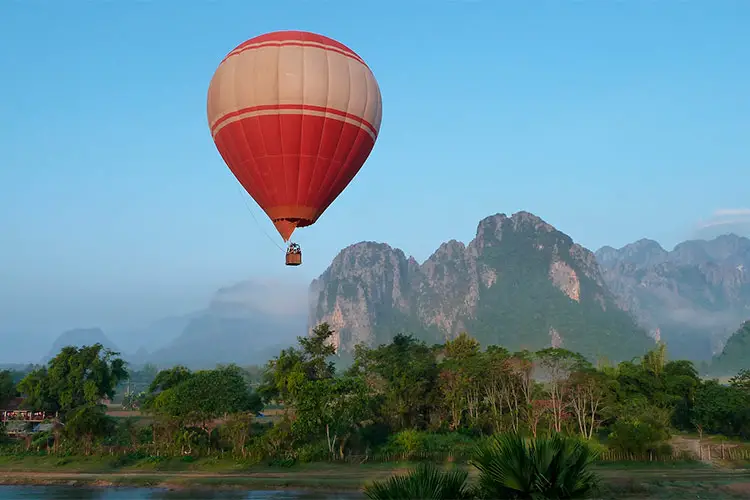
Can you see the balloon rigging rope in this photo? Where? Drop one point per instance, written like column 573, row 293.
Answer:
column 249, row 209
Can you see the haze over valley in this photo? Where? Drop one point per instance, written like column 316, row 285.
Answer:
column 519, row 282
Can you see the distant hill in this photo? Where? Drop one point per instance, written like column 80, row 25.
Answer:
column 692, row 298
column 736, row 353
column 520, row 283
column 153, row 335
column 247, row 323
column 79, row 337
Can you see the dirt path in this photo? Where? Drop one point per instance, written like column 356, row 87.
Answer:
column 690, row 445
column 353, row 473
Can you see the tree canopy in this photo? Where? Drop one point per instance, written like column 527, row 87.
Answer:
column 75, row 377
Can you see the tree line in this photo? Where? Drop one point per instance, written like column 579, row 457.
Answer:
column 404, row 399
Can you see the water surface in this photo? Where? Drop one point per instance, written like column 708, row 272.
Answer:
column 78, row 493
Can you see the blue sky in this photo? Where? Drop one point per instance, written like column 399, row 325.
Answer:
column 611, row 120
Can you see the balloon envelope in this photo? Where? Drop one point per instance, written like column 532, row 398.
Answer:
column 294, row 115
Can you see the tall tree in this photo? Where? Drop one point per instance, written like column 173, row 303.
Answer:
column 166, row 379
column 459, row 382
column 287, row 373
column 741, row 381
column 206, row 396
column 74, row 378
column 589, row 392
column 556, row 365
column 332, row 407
column 496, row 377
column 404, row 374
column 7, row 388
column 87, row 424
column 520, row 389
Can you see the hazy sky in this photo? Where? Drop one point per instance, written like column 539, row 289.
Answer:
column 611, row 120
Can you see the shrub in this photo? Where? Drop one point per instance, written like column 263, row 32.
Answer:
column 544, row 467
column 313, row 452
column 413, row 444
column 425, row 482
column 637, row 437
column 641, row 428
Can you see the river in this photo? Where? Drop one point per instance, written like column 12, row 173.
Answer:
column 78, row 493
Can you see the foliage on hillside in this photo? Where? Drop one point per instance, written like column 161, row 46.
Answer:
column 736, row 353
column 524, row 304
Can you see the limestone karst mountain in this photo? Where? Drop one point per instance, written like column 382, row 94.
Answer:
column 519, row 283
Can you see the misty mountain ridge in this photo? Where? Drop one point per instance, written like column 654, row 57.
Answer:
column 693, row 297
column 79, row 337
column 245, row 323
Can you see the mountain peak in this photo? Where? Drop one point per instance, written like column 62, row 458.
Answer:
column 527, row 218
column 448, row 249
column 80, row 337
column 483, row 288
column 642, row 252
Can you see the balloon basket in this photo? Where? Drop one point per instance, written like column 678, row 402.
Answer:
column 294, row 258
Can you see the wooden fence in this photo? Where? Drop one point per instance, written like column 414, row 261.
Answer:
column 723, row 452
column 621, row 456
column 706, row 452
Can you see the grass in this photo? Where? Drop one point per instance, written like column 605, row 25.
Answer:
column 653, row 465
column 673, row 490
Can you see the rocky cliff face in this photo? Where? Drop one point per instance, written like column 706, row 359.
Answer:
column 520, row 283
column 692, row 297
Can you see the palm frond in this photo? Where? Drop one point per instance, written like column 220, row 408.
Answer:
column 425, row 482
column 511, row 466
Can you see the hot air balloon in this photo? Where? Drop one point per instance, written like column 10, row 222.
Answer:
column 294, row 115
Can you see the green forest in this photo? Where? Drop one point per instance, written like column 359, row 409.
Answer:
column 401, row 401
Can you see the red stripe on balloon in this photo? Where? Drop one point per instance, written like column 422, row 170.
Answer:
column 295, row 107
column 294, row 44
column 297, row 160
column 298, row 38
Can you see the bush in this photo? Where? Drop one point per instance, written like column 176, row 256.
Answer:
column 424, row 482
column 42, row 440
column 637, row 437
column 371, row 436
column 641, row 428
column 127, row 459
column 511, row 466
column 276, row 443
column 313, row 452
column 412, row 444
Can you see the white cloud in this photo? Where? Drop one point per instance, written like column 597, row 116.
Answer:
column 732, row 211
column 725, row 220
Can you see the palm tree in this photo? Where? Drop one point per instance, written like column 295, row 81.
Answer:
column 425, row 482
column 511, row 466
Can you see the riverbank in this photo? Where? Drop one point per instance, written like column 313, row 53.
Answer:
column 644, row 481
